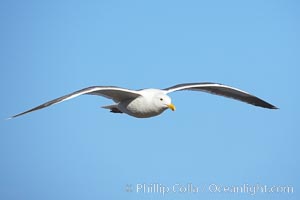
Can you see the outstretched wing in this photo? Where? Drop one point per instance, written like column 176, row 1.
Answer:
column 222, row 90
column 115, row 93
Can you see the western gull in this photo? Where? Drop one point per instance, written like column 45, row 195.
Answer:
column 152, row 102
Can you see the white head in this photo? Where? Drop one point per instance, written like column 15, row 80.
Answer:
column 163, row 101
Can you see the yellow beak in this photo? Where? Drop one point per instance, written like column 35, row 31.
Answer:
column 172, row 107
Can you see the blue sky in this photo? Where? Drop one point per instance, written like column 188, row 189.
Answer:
column 76, row 150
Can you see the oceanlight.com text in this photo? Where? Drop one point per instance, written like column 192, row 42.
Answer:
column 191, row 188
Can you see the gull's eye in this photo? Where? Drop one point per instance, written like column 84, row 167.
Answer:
column 161, row 99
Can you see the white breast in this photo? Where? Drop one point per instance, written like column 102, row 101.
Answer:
column 142, row 106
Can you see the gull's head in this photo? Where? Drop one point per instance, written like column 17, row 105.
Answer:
column 164, row 101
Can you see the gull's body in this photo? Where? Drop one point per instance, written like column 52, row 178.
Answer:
column 152, row 102
column 146, row 105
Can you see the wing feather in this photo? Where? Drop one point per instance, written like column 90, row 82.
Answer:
column 115, row 93
column 222, row 90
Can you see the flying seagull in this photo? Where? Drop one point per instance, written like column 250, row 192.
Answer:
column 152, row 102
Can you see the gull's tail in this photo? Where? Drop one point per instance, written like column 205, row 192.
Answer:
column 113, row 108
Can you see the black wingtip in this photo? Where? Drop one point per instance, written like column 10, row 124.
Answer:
column 12, row 117
column 267, row 105
column 259, row 102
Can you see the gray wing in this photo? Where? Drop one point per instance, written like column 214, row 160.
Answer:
column 115, row 93
column 222, row 90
